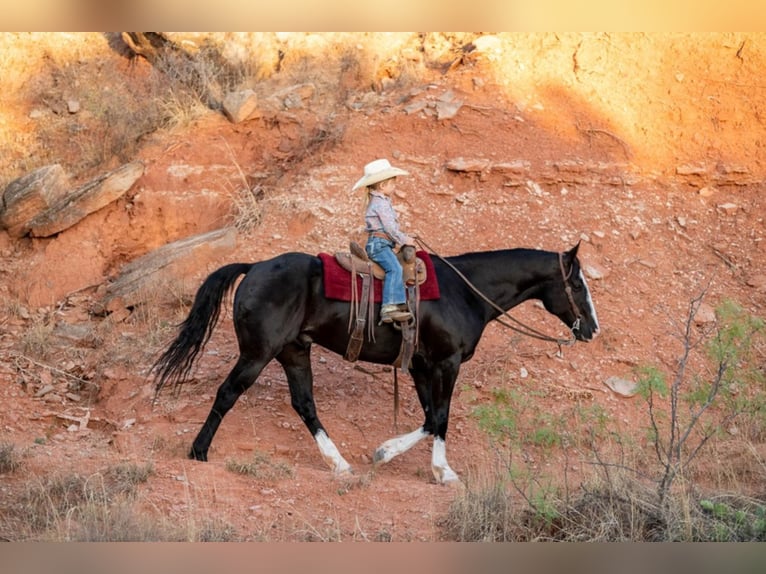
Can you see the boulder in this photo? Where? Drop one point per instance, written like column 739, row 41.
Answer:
column 238, row 106
column 28, row 196
column 148, row 272
column 78, row 204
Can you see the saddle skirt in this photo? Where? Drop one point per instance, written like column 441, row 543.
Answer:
column 337, row 276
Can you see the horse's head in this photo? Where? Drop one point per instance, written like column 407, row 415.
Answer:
column 569, row 298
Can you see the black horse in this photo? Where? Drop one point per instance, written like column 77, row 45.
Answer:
column 280, row 309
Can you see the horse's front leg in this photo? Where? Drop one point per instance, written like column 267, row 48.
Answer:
column 439, row 466
column 434, row 386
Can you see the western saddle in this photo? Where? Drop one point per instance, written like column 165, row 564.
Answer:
column 362, row 313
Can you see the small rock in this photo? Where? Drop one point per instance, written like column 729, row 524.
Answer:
column 705, row 314
column 73, row 106
column 757, row 281
column 595, row 272
column 728, row 208
column 622, row 387
column 415, row 107
column 523, row 373
column 691, row 169
column 467, row 164
column 707, row 191
column 516, row 166
column 44, row 391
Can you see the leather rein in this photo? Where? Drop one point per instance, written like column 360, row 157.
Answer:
column 521, row 327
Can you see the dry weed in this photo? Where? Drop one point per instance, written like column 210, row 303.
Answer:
column 10, row 458
column 261, row 467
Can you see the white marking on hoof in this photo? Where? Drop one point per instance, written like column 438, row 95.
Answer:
column 398, row 445
column 439, row 466
column 339, row 466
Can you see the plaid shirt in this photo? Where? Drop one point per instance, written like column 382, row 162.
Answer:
column 380, row 216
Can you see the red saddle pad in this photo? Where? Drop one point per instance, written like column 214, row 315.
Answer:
column 337, row 281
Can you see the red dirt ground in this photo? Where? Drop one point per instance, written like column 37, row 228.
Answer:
column 647, row 149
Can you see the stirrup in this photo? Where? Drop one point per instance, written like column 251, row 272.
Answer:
column 396, row 317
column 403, row 324
column 394, row 313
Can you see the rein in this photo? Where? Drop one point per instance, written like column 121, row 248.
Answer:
column 522, row 328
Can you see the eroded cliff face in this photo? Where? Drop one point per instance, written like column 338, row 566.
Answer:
column 614, row 109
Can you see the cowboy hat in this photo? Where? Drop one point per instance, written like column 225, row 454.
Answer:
column 376, row 171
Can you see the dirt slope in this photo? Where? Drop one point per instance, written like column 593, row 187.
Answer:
column 648, row 149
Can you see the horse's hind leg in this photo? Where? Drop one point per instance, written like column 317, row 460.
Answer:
column 239, row 380
column 296, row 361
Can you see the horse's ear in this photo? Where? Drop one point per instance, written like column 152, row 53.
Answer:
column 572, row 253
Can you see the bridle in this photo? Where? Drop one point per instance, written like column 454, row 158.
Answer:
column 568, row 290
column 523, row 328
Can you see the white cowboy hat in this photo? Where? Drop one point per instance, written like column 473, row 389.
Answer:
column 376, row 171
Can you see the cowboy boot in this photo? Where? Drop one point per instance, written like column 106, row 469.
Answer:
column 390, row 313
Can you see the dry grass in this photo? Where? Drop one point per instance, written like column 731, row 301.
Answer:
column 101, row 507
column 10, row 458
column 620, row 509
column 261, row 467
column 37, row 340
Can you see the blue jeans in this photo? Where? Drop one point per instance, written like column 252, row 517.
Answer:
column 381, row 252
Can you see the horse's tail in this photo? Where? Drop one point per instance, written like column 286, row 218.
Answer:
column 176, row 362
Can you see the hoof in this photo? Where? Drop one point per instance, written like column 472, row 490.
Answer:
column 344, row 473
column 446, row 476
column 455, row 485
column 195, row 455
column 379, row 456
